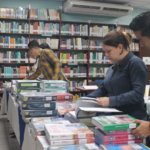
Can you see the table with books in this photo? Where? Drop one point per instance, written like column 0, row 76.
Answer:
column 35, row 121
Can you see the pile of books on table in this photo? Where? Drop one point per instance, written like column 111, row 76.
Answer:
column 38, row 104
column 24, row 86
column 111, row 130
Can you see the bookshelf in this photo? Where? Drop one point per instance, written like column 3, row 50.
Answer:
column 86, row 34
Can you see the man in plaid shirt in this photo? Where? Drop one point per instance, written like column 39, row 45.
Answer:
column 49, row 65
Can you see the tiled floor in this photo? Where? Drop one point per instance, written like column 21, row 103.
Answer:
column 6, row 142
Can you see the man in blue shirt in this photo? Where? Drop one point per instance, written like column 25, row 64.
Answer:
column 141, row 28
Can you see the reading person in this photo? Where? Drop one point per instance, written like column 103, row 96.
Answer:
column 125, row 80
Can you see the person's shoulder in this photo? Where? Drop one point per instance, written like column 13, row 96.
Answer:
column 48, row 51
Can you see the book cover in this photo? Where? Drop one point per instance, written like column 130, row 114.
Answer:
column 27, row 84
column 90, row 146
column 72, row 142
column 113, row 138
column 64, row 96
column 135, row 146
column 114, row 132
column 38, row 128
column 42, row 143
column 114, row 122
column 38, row 113
column 99, row 141
column 37, row 96
column 39, row 106
column 72, row 131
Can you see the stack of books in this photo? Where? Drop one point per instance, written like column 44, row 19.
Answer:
column 69, row 134
column 112, row 130
column 37, row 104
column 37, row 125
column 59, row 86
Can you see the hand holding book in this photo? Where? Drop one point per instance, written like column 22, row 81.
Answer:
column 103, row 101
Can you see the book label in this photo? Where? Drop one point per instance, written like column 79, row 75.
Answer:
column 48, row 98
column 132, row 125
column 82, row 135
column 49, row 112
column 46, row 105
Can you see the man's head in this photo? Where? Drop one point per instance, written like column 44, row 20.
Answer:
column 34, row 48
column 141, row 28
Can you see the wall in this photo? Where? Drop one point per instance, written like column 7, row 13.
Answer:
column 70, row 17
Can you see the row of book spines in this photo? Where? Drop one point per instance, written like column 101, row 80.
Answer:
column 19, row 13
column 44, row 29
column 14, row 27
column 44, row 14
column 7, row 42
column 73, row 58
column 9, row 72
column 101, row 72
column 74, row 84
column 72, row 29
column 81, row 71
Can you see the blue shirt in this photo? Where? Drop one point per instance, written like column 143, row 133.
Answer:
column 125, row 87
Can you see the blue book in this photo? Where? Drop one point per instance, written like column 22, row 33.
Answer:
column 39, row 105
column 42, row 26
column 39, row 113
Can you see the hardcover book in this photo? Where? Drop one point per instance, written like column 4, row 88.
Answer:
column 71, row 131
column 38, row 96
column 39, row 106
column 114, row 122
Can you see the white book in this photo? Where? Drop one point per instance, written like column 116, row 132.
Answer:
column 42, row 143
column 91, row 87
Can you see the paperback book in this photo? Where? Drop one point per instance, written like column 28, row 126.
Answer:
column 27, row 84
column 99, row 141
column 115, row 122
column 38, row 106
column 39, row 113
column 70, row 131
column 37, row 97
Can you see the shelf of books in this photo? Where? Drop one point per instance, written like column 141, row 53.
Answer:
column 77, row 44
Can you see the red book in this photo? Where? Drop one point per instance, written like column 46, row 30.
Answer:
column 64, row 96
column 68, row 58
column 66, row 71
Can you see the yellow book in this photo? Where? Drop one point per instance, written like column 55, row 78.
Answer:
column 61, row 58
column 40, row 27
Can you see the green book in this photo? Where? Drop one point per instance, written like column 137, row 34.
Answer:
column 114, row 122
column 81, row 57
column 64, row 29
column 64, row 57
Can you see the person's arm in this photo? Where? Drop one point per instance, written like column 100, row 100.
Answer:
column 50, row 56
column 100, row 92
column 34, row 75
column 138, row 76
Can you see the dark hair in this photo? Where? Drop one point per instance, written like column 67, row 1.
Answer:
column 33, row 44
column 44, row 46
column 114, row 38
column 141, row 23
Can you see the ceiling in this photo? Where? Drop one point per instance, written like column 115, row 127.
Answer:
column 144, row 4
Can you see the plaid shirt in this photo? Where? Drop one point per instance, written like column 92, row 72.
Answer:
column 50, row 66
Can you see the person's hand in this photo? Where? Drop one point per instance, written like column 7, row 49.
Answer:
column 62, row 111
column 104, row 101
column 143, row 130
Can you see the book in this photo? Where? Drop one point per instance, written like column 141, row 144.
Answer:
column 71, row 131
column 64, row 96
column 114, row 122
column 33, row 90
column 54, row 84
column 72, row 141
column 113, row 138
column 38, row 106
column 38, row 113
column 27, row 84
column 38, row 128
column 116, row 132
column 37, row 97
column 90, row 146
column 133, row 146
column 99, row 141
